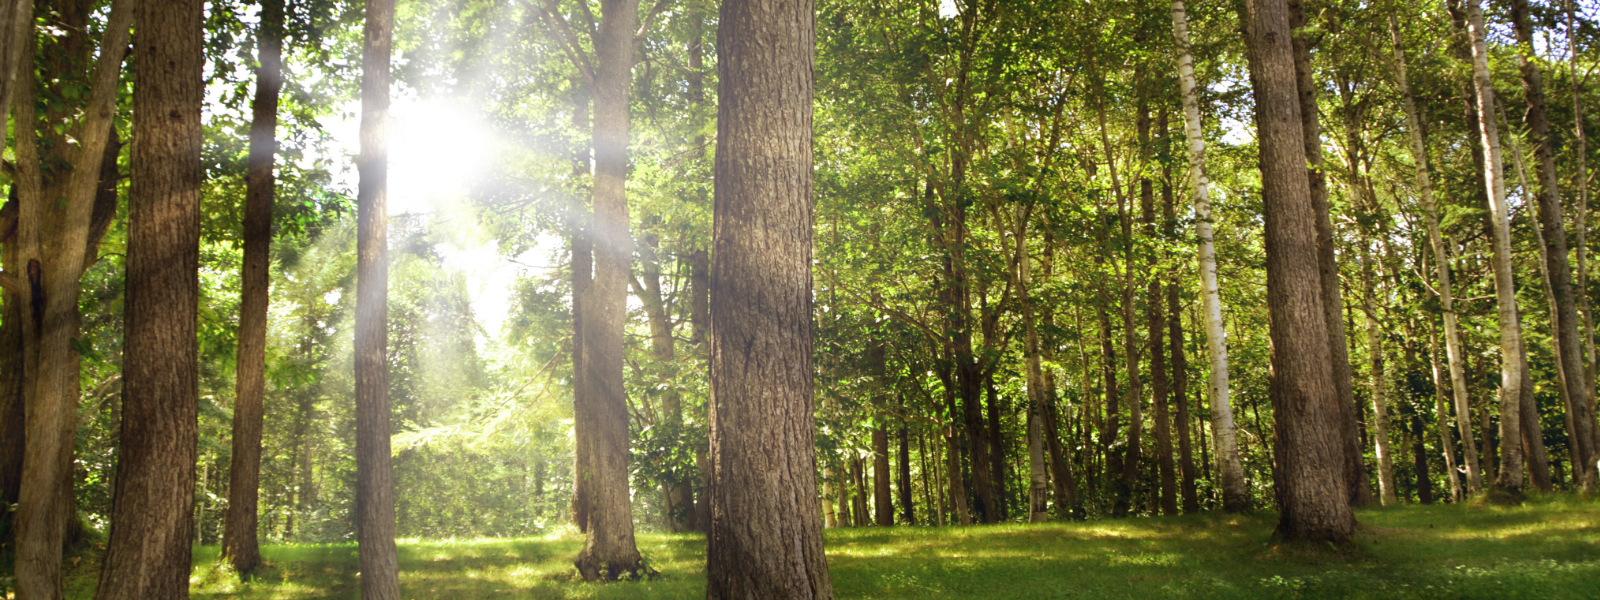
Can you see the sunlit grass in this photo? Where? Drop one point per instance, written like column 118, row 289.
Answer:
column 1549, row 548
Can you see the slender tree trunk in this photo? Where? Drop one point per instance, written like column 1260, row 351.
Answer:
column 1565, row 325
column 374, row 472
column 609, row 550
column 582, row 277
column 1379, row 383
column 1235, row 496
column 1510, row 472
column 1155, row 318
column 1307, row 405
column 148, row 554
column 908, row 509
column 1581, row 229
column 239, row 544
column 765, row 540
column 1538, row 466
column 1430, row 217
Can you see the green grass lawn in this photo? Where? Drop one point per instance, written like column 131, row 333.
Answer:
column 1549, row 548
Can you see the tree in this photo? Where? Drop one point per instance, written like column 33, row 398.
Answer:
column 60, row 216
column 148, row 555
column 1310, row 473
column 1565, row 326
column 765, row 536
column 239, row 543
column 1510, row 472
column 380, row 566
column 1235, row 497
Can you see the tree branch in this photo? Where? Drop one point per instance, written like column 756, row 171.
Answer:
column 644, row 24
column 563, row 32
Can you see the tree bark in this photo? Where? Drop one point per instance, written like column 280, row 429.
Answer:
column 1533, row 450
column 1565, row 326
column 56, row 184
column 148, row 554
column 239, row 544
column 1235, row 496
column 1379, row 383
column 1510, row 472
column 908, row 512
column 378, row 559
column 1307, row 406
column 1360, row 491
column 765, row 540
column 1155, row 318
column 609, row 550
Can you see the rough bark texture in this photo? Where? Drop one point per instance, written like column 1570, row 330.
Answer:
column 1156, row 322
column 239, row 543
column 1510, row 477
column 148, row 554
column 56, row 184
column 609, row 550
column 582, row 275
column 1235, row 495
column 765, row 539
column 1564, row 319
column 1314, row 493
column 1360, row 491
column 380, row 567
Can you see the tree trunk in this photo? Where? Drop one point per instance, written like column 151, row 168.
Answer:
column 1360, row 491
column 1419, row 456
column 1155, row 318
column 882, row 503
column 609, row 550
column 1581, row 229
column 1379, row 383
column 582, row 277
column 240, row 545
column 1452, row 330
column 1510, row 471
column 148, row 554
column 908, row 511
column 55, row 185
column 765, row 540
column 1564, row 319
column 1307, row 406
column 1538, row 465
column 380, row 570
column 1235, row 496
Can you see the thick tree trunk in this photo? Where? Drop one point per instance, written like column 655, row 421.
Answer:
column 1307, row 406
column 765, row 540
column 239, row 544
column 1235, row 496
column 609, row 550
column 1564, row 319
column 1510, row 472
column 1360, row 491
column 148, row 554
column 380, row 569
column 582, row 276
column 55, row 183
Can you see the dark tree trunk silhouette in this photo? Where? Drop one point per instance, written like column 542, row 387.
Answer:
column 239, row 543
column 148, row 554
column 765, row 539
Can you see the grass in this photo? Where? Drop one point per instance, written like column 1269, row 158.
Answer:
column 1546, row 548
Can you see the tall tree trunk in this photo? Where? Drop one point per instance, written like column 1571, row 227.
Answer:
column 1038, row 401
column 1510, row 471
column 1155, row 318
column 1538, row 465
column 148, row 554
column 380, row 569
column 609, row 550
column 1564, row 319
column 677, row 492
column 908, row 510
column 882, row 503
column 582, row 276
column 1307, row 406
column 239, row 544
column 1379, row 382
column 1360, row 491
column 1235, row 496
column 1581, row 229
column 1436, row 242
column 55, row 185
column 765, row 540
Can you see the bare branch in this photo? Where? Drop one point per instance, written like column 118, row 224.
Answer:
column 644, row 24
column 563, row 32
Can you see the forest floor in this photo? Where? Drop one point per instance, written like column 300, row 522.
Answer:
column 1548, row 548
